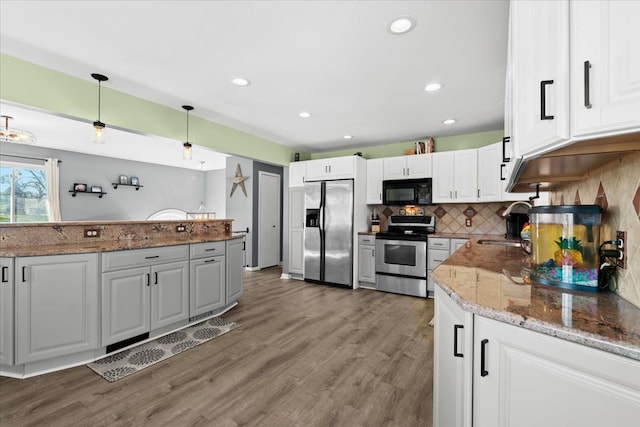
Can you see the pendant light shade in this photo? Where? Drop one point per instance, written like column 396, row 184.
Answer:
column 98, row 126
column 187, row 153
column 9, row 134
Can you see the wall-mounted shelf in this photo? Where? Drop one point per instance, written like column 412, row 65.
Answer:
column 99, row 194
column 116, row 184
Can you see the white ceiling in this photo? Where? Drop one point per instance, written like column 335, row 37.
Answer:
column 335, row 59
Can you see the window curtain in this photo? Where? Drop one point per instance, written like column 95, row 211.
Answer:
column 52, row 174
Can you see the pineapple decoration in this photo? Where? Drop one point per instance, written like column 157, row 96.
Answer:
column 570, row 252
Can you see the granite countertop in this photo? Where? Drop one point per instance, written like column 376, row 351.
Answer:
column 492, row 281
column 109, row 246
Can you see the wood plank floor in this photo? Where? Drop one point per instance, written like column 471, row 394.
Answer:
column 304, row 355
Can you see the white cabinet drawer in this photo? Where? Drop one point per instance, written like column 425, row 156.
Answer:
column 439, row 243
column 435, row 257
column 141, row 257
column 366, row 240
column 201, row 250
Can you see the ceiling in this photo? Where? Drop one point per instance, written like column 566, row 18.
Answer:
column 334, row 59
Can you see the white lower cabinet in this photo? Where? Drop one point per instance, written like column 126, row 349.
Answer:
column 125, row 304
column 452, row 363
column 6, row 312
column 143, row 290
column 207, row 285
column 367, row 261
column 234, row 270
column 207, row 277
column 56, row 306
column 296, row 231
column 525, row 378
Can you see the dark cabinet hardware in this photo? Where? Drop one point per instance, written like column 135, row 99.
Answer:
column 587, row 101
column 210, row 249
column 543, row 100
column 5, row 271
column 455, row 340
column 152, row 257
column 24, row 274
column 210, row 260
column 504, row 149
column 148, row 279
column 155, row 278
column 483, row 356
column 502, row 177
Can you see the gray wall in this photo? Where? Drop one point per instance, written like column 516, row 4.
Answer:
column 164, row 186
column 240, row 207
column 214, row 192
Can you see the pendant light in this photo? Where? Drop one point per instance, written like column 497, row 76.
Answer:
column 19, row 136
column 187, row 153
column 98, row 126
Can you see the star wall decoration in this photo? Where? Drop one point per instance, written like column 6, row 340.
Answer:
column 238, row 181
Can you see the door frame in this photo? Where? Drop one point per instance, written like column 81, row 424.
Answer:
column 262, row 209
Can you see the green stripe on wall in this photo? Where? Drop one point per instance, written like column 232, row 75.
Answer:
column 31, row 85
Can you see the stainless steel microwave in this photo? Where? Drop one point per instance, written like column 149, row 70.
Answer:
column 407, row 192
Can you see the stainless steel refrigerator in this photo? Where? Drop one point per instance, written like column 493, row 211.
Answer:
column 328, row 232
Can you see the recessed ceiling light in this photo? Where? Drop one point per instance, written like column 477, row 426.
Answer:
column 240, row 81
column 347, row 137
column 432, row 87
column 402, row 25
column 305, row 115
column 449, row 121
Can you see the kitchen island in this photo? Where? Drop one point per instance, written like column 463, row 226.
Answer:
column 72, row 293
column 512, row 352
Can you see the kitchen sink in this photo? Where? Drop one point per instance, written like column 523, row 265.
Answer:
column 509, row 243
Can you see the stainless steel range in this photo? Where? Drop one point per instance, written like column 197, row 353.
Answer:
column 401, row 255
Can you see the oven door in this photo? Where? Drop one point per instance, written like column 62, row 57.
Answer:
column 401, row 257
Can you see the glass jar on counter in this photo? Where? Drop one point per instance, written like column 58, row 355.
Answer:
column 564, row 245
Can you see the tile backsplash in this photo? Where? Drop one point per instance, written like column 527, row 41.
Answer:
column 486, row 218
column 616, row 188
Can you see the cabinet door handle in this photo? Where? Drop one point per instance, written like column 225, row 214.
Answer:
column 373, row 253
column 504, row 149
column 209, row 260
column 587, row 66
column 210, row 249
column 478, row 192
column 408, row 173
column 450, row 194
column 155, row 278
column 483, row 356
column 5, row 271
column 152, row 257
column 543, row 100
column 502, row 166
column 24, row 274
column 455, row 341
column 148, row 279
column 455, row 194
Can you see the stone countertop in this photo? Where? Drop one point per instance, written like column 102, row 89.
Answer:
column 492, row 281
column 110, row 246
column 33, row 239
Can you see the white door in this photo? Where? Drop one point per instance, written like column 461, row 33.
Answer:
column 269, row 220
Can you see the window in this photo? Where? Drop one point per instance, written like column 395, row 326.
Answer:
column 23, row 193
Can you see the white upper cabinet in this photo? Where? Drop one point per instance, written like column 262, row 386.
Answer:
column 540, row 72
column 455, row 176
column 408, row 167
column 605, row 66
column 490, row 168
column 297, row 173
column 332, row 168
column 374, row 181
